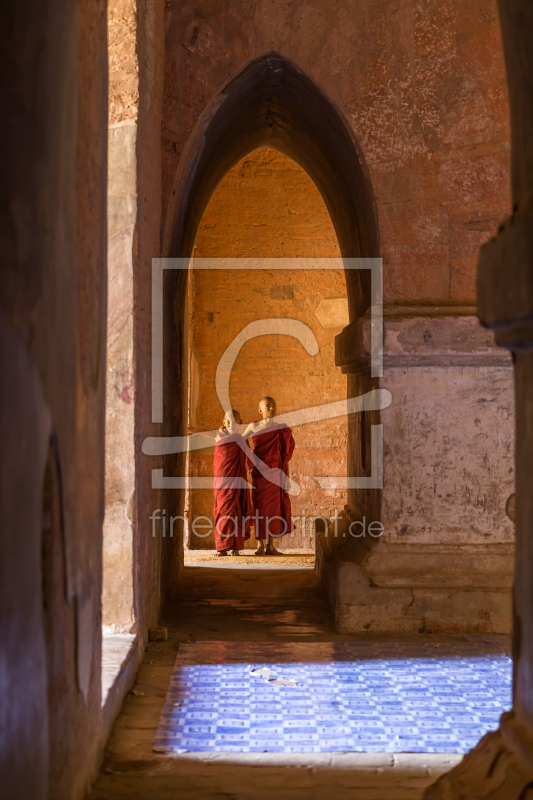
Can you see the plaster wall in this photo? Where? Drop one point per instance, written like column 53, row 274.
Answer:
column 268, row 207
column 445, row 559
column 117, row 597
column 448, row 455
column 132, row 584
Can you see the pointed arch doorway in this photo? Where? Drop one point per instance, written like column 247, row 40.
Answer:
column 270, row 103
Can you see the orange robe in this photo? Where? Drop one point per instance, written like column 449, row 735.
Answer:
column 274, row 446
column 233, row 505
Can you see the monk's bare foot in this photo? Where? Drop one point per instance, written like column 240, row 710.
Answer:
column 235, row 552
column 260, row 550
column 271, row 550
column 221, row 553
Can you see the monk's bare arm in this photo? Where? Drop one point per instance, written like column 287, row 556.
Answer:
column 252, row 428
column 205, row 434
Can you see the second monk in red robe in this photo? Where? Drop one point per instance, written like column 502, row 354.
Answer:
column 274, row 445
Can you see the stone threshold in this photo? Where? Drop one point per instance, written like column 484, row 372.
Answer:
column 320, row 775
column 120, row 660
column 421, row 763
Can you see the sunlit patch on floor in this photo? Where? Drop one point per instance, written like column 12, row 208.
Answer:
column 349, row 697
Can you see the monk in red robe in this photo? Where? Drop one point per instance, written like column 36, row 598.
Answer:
column 273, row 445
column 233, row 508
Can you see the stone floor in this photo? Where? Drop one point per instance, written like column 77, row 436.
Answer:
column 316, row 697
column 255, row 605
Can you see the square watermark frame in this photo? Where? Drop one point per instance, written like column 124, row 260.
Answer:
column 370, row 401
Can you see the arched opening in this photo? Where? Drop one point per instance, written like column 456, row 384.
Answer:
column 267, row 207
column 271, row 103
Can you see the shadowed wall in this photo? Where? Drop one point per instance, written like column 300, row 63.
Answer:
column 52, row 373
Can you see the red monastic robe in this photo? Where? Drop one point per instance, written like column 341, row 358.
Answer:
column 274, row 446
column 233, row 506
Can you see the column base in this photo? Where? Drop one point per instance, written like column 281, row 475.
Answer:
column 499, row 768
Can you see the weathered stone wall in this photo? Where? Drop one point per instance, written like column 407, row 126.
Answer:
column 267, row 207
column 122, row 29
column 422, row 85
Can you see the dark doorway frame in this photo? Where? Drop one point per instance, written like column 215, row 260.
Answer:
column 269, row 103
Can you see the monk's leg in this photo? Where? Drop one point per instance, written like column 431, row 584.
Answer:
column 225, row 530
column 261, row 542
column 239, row 539
column 270, row 549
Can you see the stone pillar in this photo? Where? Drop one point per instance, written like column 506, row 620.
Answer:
column 501, row 766
column 130, row 596
column 443, row 556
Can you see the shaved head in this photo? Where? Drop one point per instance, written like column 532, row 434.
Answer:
column 236, row 415
column 232, row 419
column 267, row 407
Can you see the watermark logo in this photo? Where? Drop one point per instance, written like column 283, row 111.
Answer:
column 202, row 526
column 371, row 401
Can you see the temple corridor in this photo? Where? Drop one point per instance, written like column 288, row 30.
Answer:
column 266, row 400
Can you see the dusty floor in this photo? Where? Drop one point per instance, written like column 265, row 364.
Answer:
column 255, row 605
